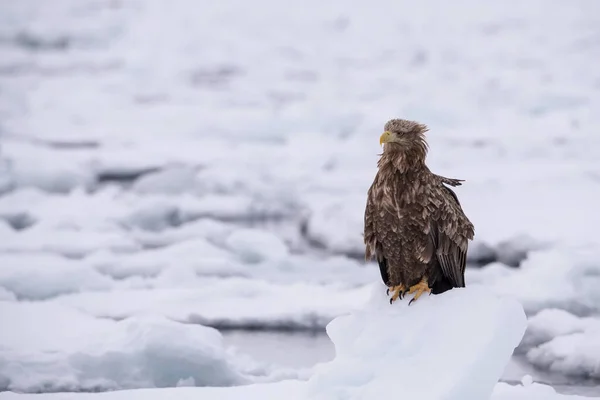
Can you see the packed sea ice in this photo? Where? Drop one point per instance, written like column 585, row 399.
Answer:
column 448, row 347
column 165, row 163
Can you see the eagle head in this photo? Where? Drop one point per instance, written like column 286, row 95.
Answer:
column 403, row 132
column 406, row 139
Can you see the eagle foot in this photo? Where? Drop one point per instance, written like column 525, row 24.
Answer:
column 419, row 289
column 397, row 292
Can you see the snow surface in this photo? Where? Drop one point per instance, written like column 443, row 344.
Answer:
column 209, row 163
column 462, row 339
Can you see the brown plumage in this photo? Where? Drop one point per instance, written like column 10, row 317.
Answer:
column 414, row 224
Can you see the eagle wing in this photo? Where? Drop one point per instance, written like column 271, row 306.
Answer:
column 370, row 238
column 373, row 247
column 449, row 232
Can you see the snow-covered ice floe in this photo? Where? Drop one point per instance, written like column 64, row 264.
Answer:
column 558, row 289
column 559, row 341
column 152, row 189
column 230, row 303
column 452, row 346
column 45, row 347
column 562, row 277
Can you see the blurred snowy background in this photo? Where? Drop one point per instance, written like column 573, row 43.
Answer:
column 169, row 167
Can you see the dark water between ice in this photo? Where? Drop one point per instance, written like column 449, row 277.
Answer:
column 302, row 349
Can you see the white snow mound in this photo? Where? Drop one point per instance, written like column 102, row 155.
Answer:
column 48, row 348
column 461, row 340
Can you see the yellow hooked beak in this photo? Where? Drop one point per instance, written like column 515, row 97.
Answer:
column 384, row 138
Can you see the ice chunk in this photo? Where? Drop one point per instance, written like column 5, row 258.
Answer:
column 206, row 228
column 154, row 216
column 527, row 380
column 40, row 276
column 255, row 245
column 515, row 249
column 229, row 303
column 169, row 180
column 73, row 210
column 565, row 343
column 76, row 352
column 196, row 255
column 561, row 277
column 461, row 340
column 15, row 221
column 550, row 323
column 67, row 242
column 337, row 225
column 52, row 171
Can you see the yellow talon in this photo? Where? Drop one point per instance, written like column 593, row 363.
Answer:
column 419, row 289
column 397, row 291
